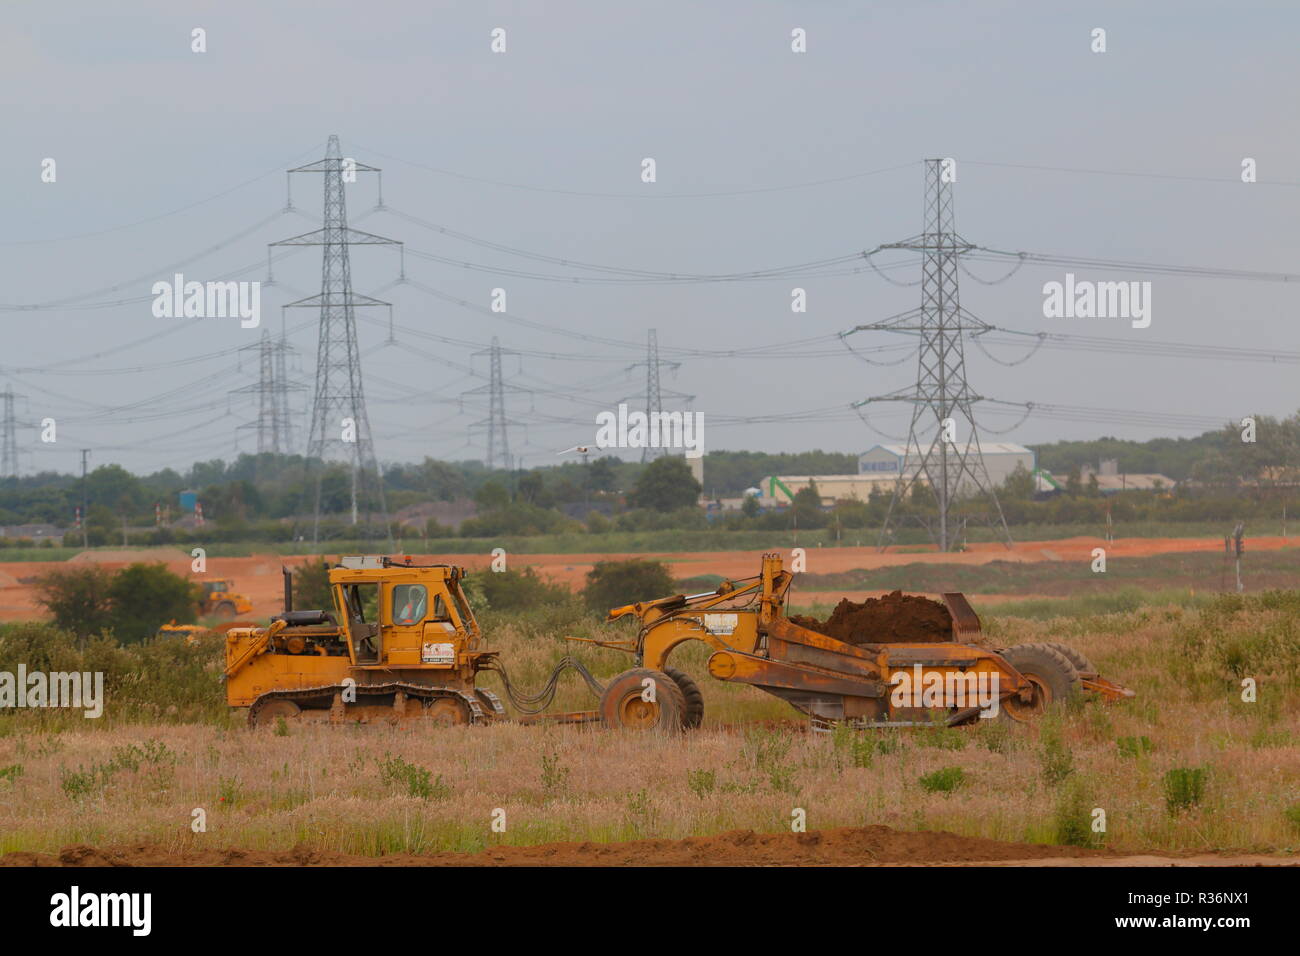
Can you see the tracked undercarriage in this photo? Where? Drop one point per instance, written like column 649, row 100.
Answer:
column 391, row 703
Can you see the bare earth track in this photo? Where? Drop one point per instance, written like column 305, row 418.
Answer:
column 849, row 846
column 258, row 576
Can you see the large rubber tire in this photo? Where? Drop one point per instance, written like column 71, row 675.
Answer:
column 225, row 611
column 1053, row 677
column 1081, row 663
column 622, row 706
column 694, row 698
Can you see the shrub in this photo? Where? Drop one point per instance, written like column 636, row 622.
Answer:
column 1072, row 816
column 417, row 781
column 511, row 590
column 943, row 780
column 1134, row 746
column 554, row 776
column 77, row 597
column 615, row 583
column 1184, row 788
column 159, row 680
column 143, row 597
column 1054, row 756
column 702, row 782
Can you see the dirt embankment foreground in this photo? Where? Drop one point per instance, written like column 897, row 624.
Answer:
column 849, row 846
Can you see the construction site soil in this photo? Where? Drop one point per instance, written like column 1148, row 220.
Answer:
column 258, row 576
column 895, row 618
column 849, row 846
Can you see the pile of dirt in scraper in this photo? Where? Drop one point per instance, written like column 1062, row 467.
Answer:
column 896, row 618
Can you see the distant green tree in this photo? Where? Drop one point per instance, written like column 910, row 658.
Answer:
column 1019, row 485
column 78, row 597
column 517, row 518
column 749, row 507
column 808, row 507
column 311, row 586
column 615, row 583
column 143, row 597
column 492, row 496
column 601, row 473
column 666, row 484
column 532, row 489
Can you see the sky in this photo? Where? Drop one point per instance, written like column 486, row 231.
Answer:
column 764, row 158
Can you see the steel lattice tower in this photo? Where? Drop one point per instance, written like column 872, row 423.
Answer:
column 9, row 437
column 340, row 427
column 272, row 391
column 942, row 393
column 280, row 389
column 654, row 397
column 497, row 411
column 268, row 423
column 498, row 446
column 654, row 390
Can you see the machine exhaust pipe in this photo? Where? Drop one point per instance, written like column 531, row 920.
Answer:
column 288, row 588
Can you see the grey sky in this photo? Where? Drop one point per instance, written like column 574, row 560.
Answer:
column 140, row 126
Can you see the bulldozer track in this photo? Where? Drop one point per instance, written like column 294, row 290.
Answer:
column 477, row 715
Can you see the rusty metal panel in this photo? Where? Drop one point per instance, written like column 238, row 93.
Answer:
column 965, row 622
column 779, row 649
column 767, row 673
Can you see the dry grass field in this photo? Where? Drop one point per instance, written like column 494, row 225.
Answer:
column 1186, row 766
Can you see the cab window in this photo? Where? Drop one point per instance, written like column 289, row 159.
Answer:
column 410, row 601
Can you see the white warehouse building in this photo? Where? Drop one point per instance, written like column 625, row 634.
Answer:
column 1000, row 459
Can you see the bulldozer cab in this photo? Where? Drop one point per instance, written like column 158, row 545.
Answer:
column 403, row 615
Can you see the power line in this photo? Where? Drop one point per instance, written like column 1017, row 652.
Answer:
column 180, row 209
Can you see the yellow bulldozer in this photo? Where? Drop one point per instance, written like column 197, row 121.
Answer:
column 874, row 683
column 399, row 643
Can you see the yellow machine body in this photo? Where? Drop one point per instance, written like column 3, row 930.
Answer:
column 868, row 684
column 221, row 600
column 400, row 642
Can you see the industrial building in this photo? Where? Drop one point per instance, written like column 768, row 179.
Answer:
column 779, row 490
column 1000, row 460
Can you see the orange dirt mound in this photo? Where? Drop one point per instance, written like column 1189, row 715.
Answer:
column 895, row 618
